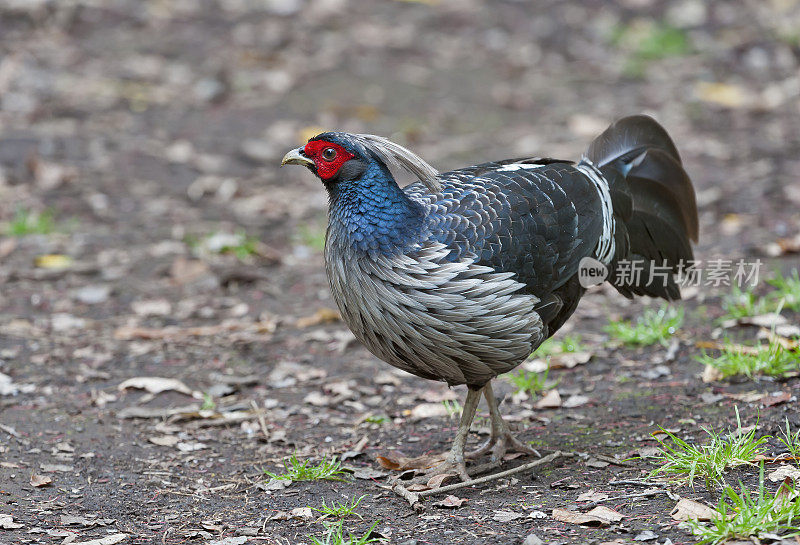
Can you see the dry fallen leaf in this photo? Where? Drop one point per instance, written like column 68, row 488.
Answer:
column 317, row 399
column 108, row 540
column 231, row 540
column 746, row 397
column 551, row 400
column 76, row 520
column 152, row 307
column 437, row 395
column 787, row 335
column 56, row 468
column 687, row 509
column 53, row 261
column 7, row 522
column 428, row 410
column 367, row 473
column 649, row 451
column 155, row 385
column 722, row 94
column 783, row 246
column 323, row 315
column 599, row 516
column 174, row 333
column 712, row 374
column 769, row 321
column 783, row 472
column 185, row 271
column 302, row 513
column 40, row 480
column 437, row 480
column 575, row 400
column 772, row 400
column 568, row 360
column 786, row 493
column 506, row 516
column 7, row 245
column 274, row 484
column 592, row 495
column 164, row 440
column 398, row 462
column 191, row 447
column 451, row 502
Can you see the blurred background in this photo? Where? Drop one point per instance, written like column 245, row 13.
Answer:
column 134, row 122
column 146, row 229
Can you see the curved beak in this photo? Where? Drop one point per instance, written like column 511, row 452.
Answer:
column 296, row 157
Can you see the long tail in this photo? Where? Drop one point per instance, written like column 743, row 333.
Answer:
column 654, row 205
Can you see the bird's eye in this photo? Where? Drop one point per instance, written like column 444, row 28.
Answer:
column 329, row 154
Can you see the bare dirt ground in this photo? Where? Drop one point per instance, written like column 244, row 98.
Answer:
column 153, row 130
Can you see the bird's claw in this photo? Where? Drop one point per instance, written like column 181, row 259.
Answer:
column 501, row 443
column 450, row 466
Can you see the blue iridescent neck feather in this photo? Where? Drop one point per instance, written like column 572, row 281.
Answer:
column 372, row 214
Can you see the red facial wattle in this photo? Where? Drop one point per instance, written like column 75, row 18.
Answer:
column 327, row 167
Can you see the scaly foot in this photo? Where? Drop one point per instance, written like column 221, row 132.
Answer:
column 501, row 439
column 499, row 444
column 452, row 465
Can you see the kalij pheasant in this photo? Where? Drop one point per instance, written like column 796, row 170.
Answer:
column 460, row 276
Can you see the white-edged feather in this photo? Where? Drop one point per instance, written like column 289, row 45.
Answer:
column 606, row 247
column 394, row 154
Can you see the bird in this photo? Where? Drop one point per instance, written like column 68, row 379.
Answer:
column 460, row 276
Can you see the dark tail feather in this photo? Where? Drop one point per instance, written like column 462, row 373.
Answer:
column 654, row 203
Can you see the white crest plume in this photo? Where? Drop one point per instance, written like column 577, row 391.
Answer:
column 396, row 155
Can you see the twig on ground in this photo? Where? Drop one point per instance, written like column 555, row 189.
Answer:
column 612, row 460
column 632, row 482
column 413, row 498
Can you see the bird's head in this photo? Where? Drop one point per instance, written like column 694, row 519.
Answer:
column 337, row 157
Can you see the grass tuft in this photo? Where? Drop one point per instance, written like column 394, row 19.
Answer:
column 531, row 383
column 208, row 403
column 239, row 244
column 654, row 326
column 452, row 407
column 684, row 461
column 791, row 440
column 26, row 222
column 743, row 304
column 550, row 347
column 646, row 41
column 787, row 290
column 297, row 470
column 766, row 359
column 743, row 515
column 377, row 419
column 340, row 510
column 335, row 536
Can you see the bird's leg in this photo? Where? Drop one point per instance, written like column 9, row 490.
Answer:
column 454, row 462
column 501, row 437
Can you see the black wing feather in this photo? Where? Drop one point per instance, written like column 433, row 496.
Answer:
column 535, row 222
